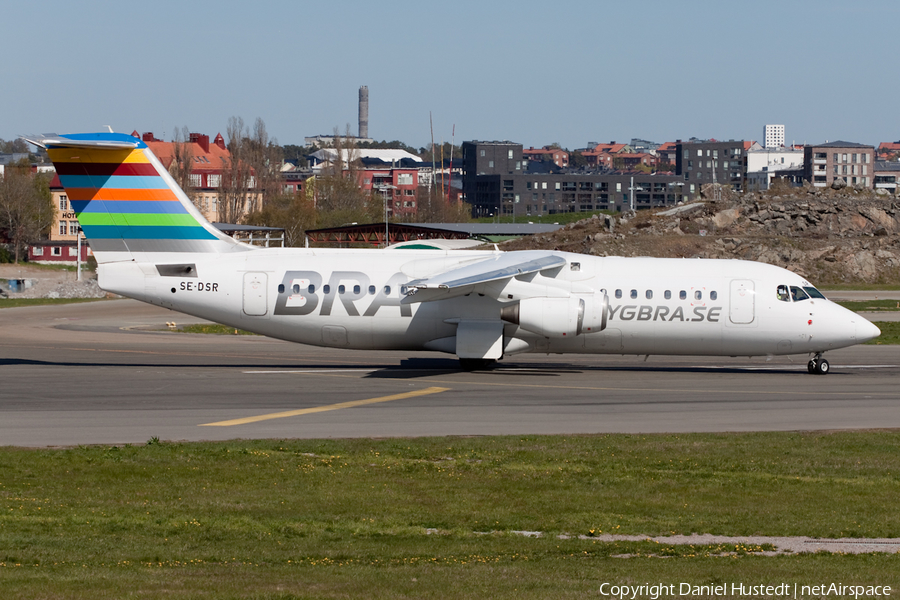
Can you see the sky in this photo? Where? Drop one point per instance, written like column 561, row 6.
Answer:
column 532, row 72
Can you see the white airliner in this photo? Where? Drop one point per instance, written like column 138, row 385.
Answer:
column 152, row 244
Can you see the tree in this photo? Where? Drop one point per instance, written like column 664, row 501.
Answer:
column 234, row 196
column 183, row 163
column 297, row 154
column 577, row 159
column 26, row 206
column 295, row 213
column 432, row 207
column 265, row 158
column 16, row 146
column 338, row 197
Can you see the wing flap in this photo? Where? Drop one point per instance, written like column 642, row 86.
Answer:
column 463, row 280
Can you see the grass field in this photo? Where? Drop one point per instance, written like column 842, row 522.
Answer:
column 437, row 517
column 890, row 334
column 871, row 305
column 17, row 302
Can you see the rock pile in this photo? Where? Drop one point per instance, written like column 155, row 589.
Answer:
column 828, row 235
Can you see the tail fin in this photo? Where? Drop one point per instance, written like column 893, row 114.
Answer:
column 128, row 205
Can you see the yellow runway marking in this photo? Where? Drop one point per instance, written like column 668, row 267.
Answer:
column 317, row 409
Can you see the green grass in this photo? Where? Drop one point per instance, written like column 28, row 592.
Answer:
column 435, row 517
column 214, row 329
column 871, row 305
column 860, row 286
column 13, row 302
column 890, row 334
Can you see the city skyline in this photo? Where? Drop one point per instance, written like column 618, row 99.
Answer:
column 505, row 71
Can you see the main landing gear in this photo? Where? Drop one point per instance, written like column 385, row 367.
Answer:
column 476, row 364
column 818, row 365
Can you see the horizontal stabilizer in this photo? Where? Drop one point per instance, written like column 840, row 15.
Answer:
column 87, row 140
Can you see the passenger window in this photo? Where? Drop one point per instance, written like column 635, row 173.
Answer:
column 668, row 294
column 713, row 295
column 296, row 288
column 356, row 289
column 797, row 294
column 814, row 293
column 387, row 290
column 682, row 295
column 649, row 294
column 371, row 290
column 618, row 293
column 326, row 289
column 633, row 294
column 698, row 295
column 280, row 288
column 782, row 293
column 341, row 289
column 311, row 289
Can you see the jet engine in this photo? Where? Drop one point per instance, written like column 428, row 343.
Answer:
column 559, row 317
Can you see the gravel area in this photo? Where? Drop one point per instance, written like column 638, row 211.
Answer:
column 783, row 545
column 49, row 283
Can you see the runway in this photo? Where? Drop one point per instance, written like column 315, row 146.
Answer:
column 90, row 374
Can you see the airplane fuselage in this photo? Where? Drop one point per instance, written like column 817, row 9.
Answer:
column 360, row 299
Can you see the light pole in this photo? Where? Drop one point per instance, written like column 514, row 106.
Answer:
column 632, row 190
column 78, row 250
column 384, row 194
column 678, row 189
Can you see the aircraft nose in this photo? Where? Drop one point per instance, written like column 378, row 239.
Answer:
column 866, row 331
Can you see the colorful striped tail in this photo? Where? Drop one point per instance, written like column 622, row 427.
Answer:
column 126, row 202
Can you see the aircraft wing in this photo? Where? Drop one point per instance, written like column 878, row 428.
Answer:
column 465, row 279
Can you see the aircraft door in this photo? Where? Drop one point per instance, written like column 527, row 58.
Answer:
column 742, row 300
column 255, row 296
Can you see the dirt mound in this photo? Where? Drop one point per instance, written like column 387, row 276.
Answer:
column 829, row 236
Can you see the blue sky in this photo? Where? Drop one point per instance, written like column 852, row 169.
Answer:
column 534, row 72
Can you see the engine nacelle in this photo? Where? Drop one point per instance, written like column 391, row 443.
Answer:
column 559, row 317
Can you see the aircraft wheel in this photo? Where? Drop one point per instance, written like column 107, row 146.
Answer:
column 811, row 367
column 475, row 364
column 822, row 367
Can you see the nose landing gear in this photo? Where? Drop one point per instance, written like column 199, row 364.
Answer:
column 818, row 365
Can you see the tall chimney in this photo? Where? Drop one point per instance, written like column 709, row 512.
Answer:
column 364, row 111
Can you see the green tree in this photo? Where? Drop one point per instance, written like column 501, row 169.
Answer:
column 295, row 213
column 297, row 154
column 577, row 159
column 26, row 206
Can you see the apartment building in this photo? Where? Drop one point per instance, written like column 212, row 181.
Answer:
column 711, row 161
column 852, row 162
column 773, row 136
column 763, row 165
column 497, row 182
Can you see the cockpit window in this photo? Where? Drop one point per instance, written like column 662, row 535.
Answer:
column 797, row 294
column 782, row 293
column 814, row 293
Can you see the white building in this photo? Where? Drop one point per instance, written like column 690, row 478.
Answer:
column 763, row 162
column 773, row 136
column 320, row 158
